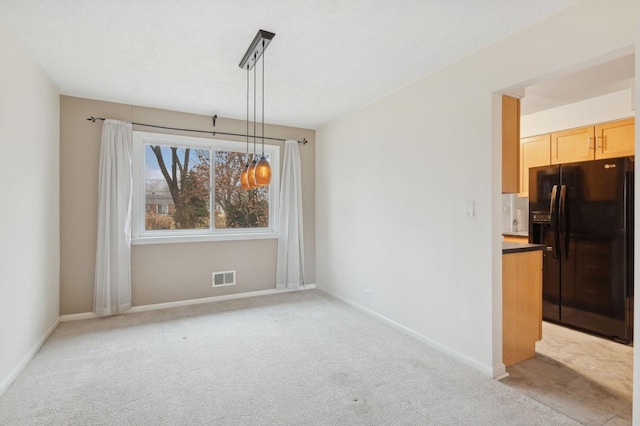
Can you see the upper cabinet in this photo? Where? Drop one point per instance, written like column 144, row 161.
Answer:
column 608, row 140
column 569, row 146
column 615, row 139
column 510, row 143
column 535, row 151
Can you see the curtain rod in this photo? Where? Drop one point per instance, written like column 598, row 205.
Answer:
column 213, row 133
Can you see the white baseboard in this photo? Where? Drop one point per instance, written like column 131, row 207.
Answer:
column 493, row 372
column 76, row 317
column 6, row 382
column 499, row 371
column 501, row 376
column 144, row 308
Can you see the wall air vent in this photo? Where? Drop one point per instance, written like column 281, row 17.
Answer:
column 224, row 278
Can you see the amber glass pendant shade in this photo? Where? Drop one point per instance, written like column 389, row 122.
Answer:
column 251, row 174
column 263, row 172
column 244, row 177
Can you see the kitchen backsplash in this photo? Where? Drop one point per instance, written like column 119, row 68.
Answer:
column 515, row 213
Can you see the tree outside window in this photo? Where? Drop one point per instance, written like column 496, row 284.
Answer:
column 178, row 184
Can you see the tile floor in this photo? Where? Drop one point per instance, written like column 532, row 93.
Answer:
column 588, row 378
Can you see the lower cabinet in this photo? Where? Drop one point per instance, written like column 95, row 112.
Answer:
column 521, row 305
column 515, row 239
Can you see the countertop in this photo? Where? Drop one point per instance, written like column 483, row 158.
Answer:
column 516, row 234
column 508, row 248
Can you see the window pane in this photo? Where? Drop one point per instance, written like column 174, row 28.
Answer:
column 177, row 187
column 236, row 207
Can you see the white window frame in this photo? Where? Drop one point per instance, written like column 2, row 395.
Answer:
column 141, row 236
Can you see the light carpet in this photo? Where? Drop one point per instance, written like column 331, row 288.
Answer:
column 300, row 358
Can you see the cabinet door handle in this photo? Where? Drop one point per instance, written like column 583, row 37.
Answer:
column 589, row 142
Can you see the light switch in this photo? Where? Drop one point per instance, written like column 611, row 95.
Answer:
column 469, row 208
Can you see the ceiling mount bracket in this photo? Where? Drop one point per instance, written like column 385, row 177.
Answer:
column 255, row 50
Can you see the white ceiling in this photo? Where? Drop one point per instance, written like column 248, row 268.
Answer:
column 328, row 56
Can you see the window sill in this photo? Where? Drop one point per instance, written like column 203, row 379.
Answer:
column 171, row 239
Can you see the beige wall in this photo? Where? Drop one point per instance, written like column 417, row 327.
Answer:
column 29, row 208
column 161, row 272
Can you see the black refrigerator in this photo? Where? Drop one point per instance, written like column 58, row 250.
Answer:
column 583, row 212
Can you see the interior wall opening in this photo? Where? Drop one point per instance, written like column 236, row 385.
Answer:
column 583, row 363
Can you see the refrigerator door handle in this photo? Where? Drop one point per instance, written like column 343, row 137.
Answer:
column 629, row 228
column 563, row 215
column 555, row 244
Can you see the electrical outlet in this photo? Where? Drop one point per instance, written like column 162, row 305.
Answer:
column 367, row 293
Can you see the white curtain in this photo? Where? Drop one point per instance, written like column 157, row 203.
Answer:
column 290, row 270
column 112, row 293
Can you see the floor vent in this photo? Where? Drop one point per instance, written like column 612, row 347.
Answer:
column 224, row 278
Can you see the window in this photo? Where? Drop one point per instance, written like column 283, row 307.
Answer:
column 188, row 189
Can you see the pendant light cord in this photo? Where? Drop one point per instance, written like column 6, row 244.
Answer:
column 254, row 110
column 263, row 48
column 247, row 114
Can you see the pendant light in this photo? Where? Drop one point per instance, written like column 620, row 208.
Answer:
column 263, row 168
column 244, row 176
column 252, row 168
column 252, row 173
column 258, row 173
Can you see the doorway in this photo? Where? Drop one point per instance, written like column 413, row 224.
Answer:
column 586, row 377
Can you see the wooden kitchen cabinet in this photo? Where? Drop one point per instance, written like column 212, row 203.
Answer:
column 521, row 305
column 515, row 239
column 535, row 151
column 569, row 146
column 510, row 144
column 606, row 140
column 615, row 139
